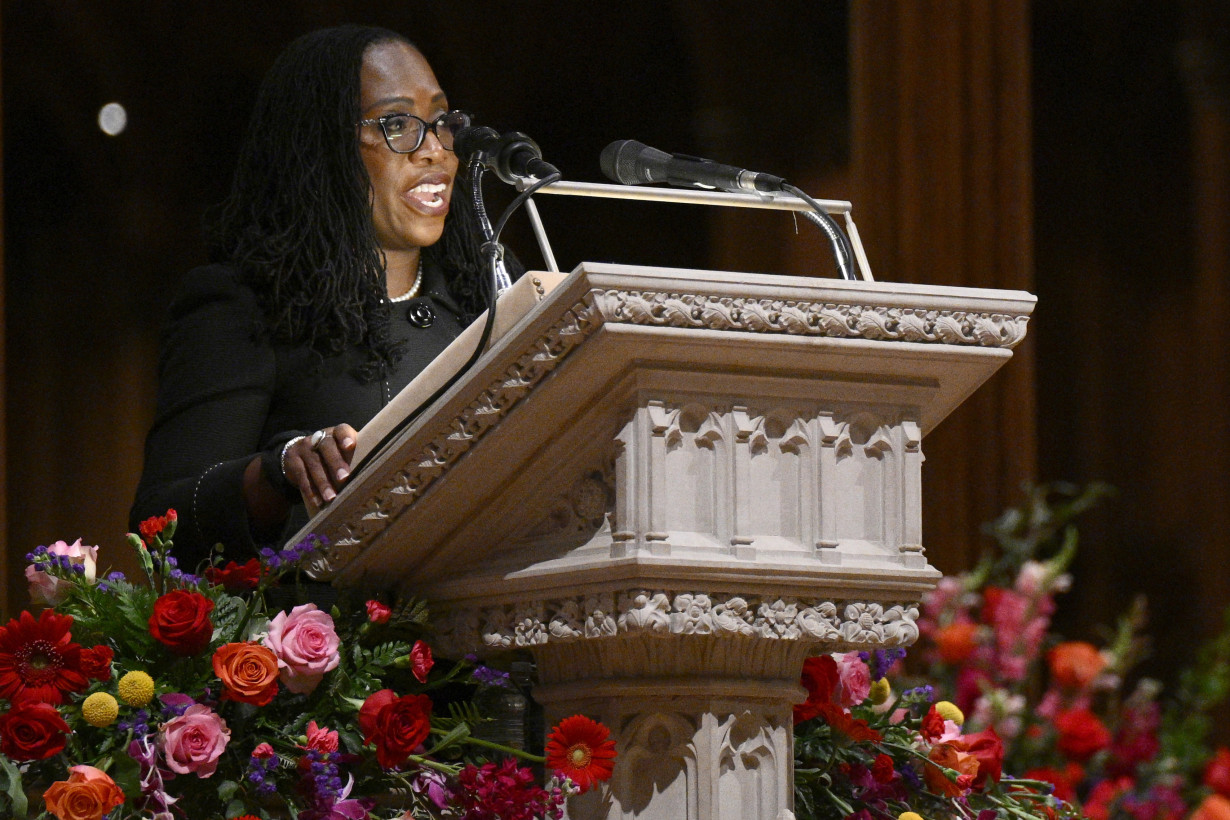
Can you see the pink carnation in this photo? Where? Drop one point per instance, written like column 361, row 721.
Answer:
column 855, row 679
column 46, row 588
column 320, row 738
column 305, row 643
column 193, row 742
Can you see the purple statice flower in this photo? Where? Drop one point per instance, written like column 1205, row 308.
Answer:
column 487, row 676
column 260, row 771
column 879, row 661
column 917, row 695
column 174, row 704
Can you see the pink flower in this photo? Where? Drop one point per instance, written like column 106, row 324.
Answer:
column 855, row 679
column 49, row 590
column 378, row 613
column 421, row 660
column 306, row 645
column 320, row 739
column 262, row 751
column 193, row 742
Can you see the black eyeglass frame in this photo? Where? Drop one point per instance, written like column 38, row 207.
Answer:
column 424, row 127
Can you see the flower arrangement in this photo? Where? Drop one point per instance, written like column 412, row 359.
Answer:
column 1060, row 714
column 184, row 695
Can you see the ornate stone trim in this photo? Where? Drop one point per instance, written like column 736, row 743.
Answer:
column 748, row 314
column 654, row 612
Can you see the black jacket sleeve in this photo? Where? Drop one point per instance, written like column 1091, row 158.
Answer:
column 216, row 379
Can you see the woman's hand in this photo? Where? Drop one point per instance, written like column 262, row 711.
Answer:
column 319, row 464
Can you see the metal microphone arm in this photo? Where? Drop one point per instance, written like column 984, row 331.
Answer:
column 688, row 196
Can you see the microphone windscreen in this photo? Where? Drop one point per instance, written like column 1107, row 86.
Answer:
column 475, row 138
column 629, row 162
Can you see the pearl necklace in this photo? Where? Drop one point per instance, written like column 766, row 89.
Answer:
column 414, row 288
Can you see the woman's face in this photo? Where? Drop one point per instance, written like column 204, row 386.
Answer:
column 408, row 203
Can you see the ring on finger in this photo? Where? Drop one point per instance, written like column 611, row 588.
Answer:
column 317, row 438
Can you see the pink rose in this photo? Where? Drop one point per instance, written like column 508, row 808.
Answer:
column 306, row 645
column 855, row 679
column 193, row 742
column 46, row 588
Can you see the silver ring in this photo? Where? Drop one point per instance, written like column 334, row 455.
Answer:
column 317, row 438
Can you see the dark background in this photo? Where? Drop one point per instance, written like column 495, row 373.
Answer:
column 1077, row 150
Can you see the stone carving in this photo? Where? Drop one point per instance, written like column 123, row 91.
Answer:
column 532, row 623
column 956, row 327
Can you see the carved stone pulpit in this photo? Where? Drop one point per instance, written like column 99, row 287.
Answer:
column 671, row 487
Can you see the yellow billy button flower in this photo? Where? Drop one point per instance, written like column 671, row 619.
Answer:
column 949, row 711
column 136, row 688
column 880, row 690
column 909, row 815
column 100, row 709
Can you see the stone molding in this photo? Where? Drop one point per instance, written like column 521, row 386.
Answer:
column 835, row 624
column 799, row 317
column 682, row 310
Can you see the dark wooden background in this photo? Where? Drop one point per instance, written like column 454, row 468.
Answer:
column 1078, row 150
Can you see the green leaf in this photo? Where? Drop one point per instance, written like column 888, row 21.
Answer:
column 13, row 788
column 126, row 773
column 460, row 732
column 227, row 789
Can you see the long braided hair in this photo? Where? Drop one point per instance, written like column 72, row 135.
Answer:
column 297, row 222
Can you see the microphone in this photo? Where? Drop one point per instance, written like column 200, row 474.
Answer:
column 633, row 163
column 513, row 156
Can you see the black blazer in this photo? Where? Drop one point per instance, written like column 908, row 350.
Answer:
column 226, row 395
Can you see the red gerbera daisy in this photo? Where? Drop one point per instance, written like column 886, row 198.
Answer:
column 38, row 659
column 581, row 750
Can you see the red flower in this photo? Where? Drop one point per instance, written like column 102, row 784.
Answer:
column 421, row 660
column 839, row 720
column 820, row 678
column 882, row 770
column 378, row 613
column 932, row 725
column 1100, row 803
column 180, row 622
column 957, row 641
column 96, row 662
column 506, row 792
column 32, row 730
column 1065, row 781
column 1217, row 772
column 1081, row 734
column 988, row 749
column 1075, row 664
column 155, row 525
column 1214, row 807
column 396, row 725
column 581, row 750
column 38, row 659
column 948, row 756
column 236, row 577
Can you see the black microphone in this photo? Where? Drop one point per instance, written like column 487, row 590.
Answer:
column 513, row 156
column 633, row 163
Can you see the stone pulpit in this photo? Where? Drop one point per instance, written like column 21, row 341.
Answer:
column 671, row 487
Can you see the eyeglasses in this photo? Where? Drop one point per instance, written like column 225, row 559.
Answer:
column 404, row 133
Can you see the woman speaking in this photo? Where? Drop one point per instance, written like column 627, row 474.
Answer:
column 342, row 266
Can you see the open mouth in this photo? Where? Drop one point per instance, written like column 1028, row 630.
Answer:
column 429, row 196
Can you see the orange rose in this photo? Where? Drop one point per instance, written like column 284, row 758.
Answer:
column 249, row 672
column 957, row 641
column 1075, row 664
column 1214, row 807
column 88, row 794
column 950, row 757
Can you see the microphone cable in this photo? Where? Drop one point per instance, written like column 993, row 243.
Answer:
column 843, row 255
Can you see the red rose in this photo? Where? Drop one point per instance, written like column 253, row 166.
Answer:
column 1217, row 772
column 181, row 622
column 396, row 725
column 32, row 730
column 988, row 749
column 96, row 662
column 1081, row 734
column 820, row 678
column 421, row 660
column 236, row 577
